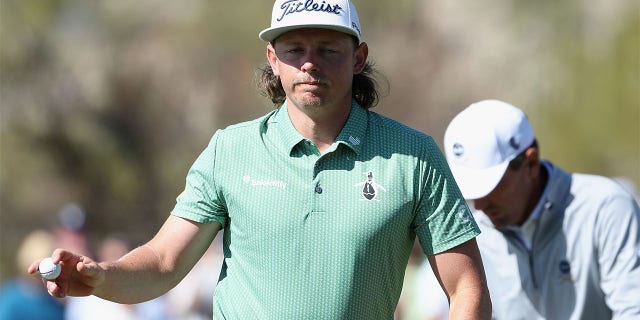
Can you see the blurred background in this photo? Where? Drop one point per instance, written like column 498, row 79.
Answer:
column 104, row 105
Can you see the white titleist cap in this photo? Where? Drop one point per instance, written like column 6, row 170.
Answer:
column 339, row 15
column 481, row 141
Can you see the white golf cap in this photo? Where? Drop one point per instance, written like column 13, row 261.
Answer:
column 339, row 15
column 480, row 142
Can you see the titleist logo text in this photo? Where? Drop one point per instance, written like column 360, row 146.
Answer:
column 295, row 6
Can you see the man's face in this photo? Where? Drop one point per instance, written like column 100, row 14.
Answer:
column 509, row 203
column 316, row 66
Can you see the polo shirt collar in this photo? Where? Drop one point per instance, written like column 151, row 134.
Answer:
column 288, row 135
column 352, row 134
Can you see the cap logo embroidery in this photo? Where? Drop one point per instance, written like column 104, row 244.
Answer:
column 514, row 143
column 355, row 26
column 296, row 6
column 458, row 150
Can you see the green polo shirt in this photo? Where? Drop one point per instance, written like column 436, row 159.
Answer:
column 311, row 236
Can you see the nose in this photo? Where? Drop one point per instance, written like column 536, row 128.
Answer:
column 309, row 62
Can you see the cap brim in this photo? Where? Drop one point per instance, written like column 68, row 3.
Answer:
column 477, row 183
column 271, row 34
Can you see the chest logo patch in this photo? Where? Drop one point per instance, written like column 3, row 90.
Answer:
column 370, row 189
column 263, row 183
column 566, row 274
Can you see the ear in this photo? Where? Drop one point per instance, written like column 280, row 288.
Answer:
column 532, row 161
column 273, row 59
column 360, row 57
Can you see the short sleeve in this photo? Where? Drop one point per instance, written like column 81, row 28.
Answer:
column 200, row 201
column 443, row 219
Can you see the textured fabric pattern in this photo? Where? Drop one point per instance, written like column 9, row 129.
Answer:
column 311, row 236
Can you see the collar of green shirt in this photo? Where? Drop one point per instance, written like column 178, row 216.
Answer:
column 352, row 134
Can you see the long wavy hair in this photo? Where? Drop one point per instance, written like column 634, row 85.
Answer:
column 364, row 85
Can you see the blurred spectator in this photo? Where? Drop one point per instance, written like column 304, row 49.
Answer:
column 24, row 297
column 112, row 248
column 70, row 231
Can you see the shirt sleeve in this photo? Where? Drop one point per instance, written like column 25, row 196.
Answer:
column 443, row 219
column 618, row 245
column 199, row 201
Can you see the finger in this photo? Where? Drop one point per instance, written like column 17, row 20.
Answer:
column 54, row 290
column 34, row 267
column 88, row 268
column 62, row 255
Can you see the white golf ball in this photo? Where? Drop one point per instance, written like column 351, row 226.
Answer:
column 49, row 270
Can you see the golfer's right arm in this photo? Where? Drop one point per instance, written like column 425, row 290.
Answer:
column 145, row 273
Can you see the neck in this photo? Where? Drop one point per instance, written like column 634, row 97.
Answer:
column 319, row 124
column 540, row 184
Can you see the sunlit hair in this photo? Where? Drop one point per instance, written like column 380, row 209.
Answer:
column 364, row 86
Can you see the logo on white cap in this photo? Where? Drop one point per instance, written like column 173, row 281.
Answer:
column 481, row 141
column 339, row 15
column 458, row 150
column 514, row 143
column 292, row 7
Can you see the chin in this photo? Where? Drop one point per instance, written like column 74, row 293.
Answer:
column 310, row 102
column 499, row 224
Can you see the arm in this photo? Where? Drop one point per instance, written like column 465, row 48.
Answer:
column 142, row 274
column 461, row 275
column 617, row 240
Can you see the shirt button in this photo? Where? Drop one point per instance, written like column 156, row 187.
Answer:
column 318, row 190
